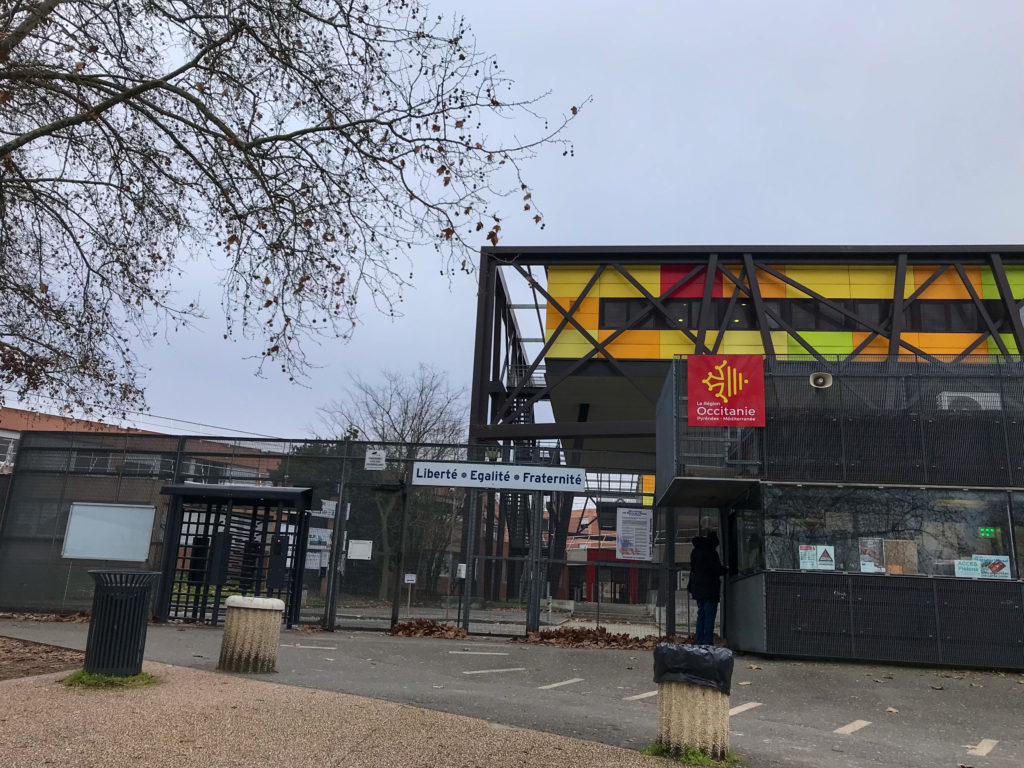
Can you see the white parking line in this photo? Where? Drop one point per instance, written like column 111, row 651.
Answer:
column 479, row 653
column 556, row 685
column 982, row 748
column 744, row 707
column 856, row 725
column 489, row 671
column 641, row 696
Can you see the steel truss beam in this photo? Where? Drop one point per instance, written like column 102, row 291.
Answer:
column 497, row 326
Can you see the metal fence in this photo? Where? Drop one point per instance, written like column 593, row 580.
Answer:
column 882, row 420
column 485, row 559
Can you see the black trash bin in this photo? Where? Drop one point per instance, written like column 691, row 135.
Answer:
column 120, row 614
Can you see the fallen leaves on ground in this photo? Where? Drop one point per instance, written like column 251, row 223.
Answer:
column 892, row 710
column 588, row 637
column 745, row 682
column 20, row 658
column 752, row 666
column 82, row 617
column 427, row 628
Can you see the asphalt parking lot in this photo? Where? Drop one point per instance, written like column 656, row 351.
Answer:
column 784, row 712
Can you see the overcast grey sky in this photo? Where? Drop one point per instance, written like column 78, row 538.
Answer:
column 878, row 121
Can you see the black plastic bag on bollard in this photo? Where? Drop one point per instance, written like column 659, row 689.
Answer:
column 706, row 665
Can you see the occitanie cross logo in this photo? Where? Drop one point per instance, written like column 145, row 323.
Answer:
column 724, row 381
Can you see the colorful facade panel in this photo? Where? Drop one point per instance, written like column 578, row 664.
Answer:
column 847, row 284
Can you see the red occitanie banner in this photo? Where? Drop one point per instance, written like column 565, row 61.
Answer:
column 725, row 390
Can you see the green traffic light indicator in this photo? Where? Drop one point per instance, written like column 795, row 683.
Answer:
column 987, row 533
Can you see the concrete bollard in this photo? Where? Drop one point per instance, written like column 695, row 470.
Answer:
column 693, row 716
column 252, row 630
column 694, row 682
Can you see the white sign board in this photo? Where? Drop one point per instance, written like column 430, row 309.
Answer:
column 509, row 477
column 633, row 533
column 109, row 532
column 817, row 557
column 410, row 578
column 319, row 537
column 993, row 566
column 970, row 569
column 375, row 458
column 328, row 507
column 360, row 549
column 460, row 571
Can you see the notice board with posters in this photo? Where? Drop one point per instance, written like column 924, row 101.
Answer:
column 725, row 391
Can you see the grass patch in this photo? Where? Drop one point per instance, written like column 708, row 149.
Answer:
column 689, row 756
column 82, row 679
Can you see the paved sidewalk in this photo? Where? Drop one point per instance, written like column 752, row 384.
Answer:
column 205, row 719
column 786, row 714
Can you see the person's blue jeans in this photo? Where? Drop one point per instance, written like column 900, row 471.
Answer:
column 706, row 610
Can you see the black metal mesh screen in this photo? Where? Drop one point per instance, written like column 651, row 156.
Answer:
column 938, row 621
column 883, row 420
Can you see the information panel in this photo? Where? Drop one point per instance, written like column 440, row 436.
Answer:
column 109, row 532
column 510, row 477
column 633, row 533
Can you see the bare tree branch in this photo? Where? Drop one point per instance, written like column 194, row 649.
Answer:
column 309, row 149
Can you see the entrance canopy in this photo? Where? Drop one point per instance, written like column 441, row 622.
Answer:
column 291, row 497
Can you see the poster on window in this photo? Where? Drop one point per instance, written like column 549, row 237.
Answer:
column 817, row 557
column 993, row 566
column 872, row 557
column 633, row 528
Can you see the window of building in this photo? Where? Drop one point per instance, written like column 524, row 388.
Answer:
column 8, row 447
column 90, row 462
column 618, row 313
column 147, row 464
column 906, row 531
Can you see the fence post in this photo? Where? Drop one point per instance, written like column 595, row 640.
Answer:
column 533, row 598
column 473, row 512
column 337, row 549
column 396, row 584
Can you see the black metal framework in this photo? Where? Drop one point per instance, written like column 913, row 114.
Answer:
column 508, row 382
column 231, row 540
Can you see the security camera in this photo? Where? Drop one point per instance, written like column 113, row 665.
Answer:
column 821, row 380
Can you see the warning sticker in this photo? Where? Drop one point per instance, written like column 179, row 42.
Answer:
column 817, row 557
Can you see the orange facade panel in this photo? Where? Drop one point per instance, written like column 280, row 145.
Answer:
column 587, row 314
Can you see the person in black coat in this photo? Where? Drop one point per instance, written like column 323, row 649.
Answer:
column 706, row 571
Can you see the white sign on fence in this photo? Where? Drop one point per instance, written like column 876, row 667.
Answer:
column 360, row 549
column 633, row 533
column 510, row 477
column 109, row 532
column 375, row 458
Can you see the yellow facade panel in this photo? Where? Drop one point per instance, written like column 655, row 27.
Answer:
column 871, row 274
column 569, row 281
column 613, row 284
column 674, row 343
column 909, row 284
column 742, row 343
column 634, row 351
